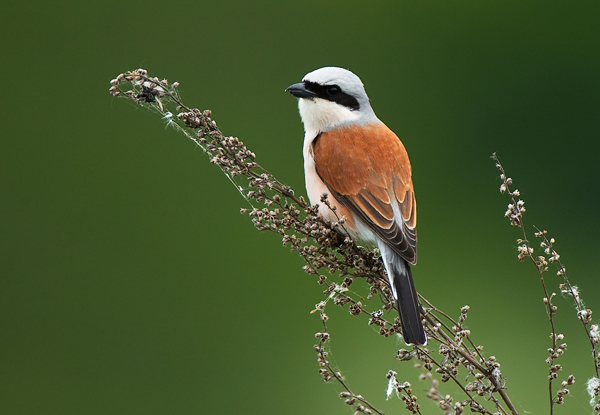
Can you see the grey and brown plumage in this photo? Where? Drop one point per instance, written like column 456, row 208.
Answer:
column 356, row 159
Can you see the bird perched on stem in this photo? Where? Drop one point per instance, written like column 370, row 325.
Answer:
column 363, row 166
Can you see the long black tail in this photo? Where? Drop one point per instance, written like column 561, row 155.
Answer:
column 407, row 300
column 408, row 307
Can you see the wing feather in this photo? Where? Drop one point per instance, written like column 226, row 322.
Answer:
column 373, row 180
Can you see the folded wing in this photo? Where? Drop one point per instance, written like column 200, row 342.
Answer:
column 366, row 169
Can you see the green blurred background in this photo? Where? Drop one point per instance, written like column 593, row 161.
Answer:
column 132, row 285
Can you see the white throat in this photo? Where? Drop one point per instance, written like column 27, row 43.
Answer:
column 319, row 115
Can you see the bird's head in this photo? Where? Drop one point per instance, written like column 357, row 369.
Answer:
column 331, row 97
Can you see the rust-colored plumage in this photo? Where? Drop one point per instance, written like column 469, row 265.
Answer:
column 367, row 170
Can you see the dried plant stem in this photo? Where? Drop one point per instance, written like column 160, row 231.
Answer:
column 337, row 262
column 584, row 315
column 525, row 250
column 321, row 245
column 468, row 356
column 328, row 372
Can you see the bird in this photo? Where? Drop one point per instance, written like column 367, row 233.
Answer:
column 364, row 169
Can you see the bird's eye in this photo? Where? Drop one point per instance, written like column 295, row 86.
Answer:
column 333, row 90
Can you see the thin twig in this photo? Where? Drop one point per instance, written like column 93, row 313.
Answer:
column 275, row 208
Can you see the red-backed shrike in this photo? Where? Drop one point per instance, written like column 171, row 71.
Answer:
column 364, row 168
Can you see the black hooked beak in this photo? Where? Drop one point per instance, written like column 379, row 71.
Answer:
column 299, row 90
